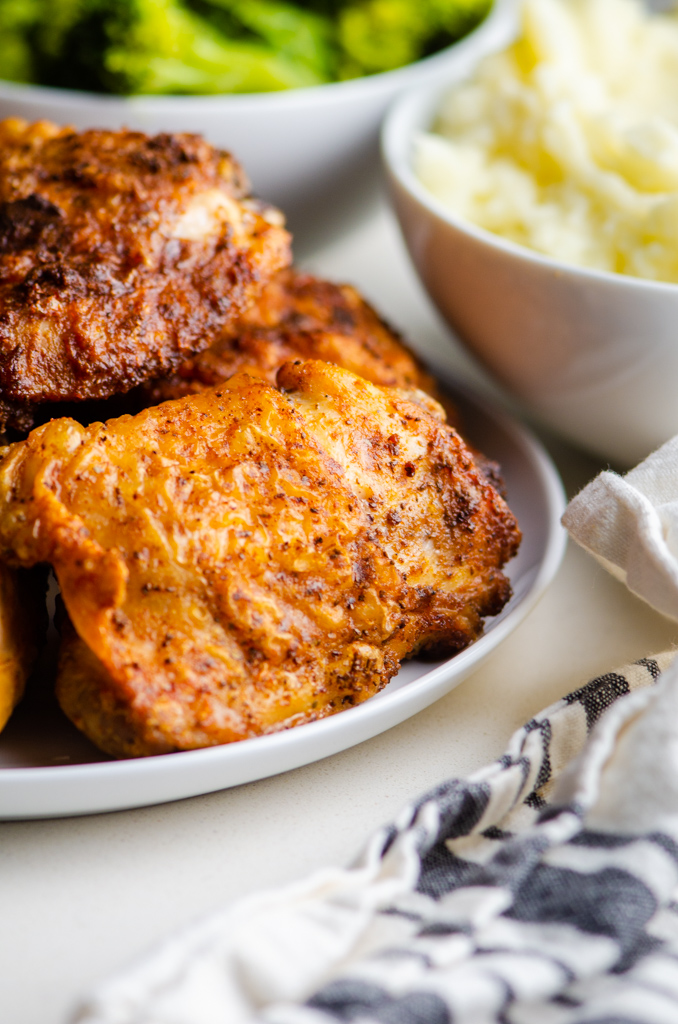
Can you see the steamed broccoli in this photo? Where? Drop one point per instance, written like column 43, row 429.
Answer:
column 215, row 46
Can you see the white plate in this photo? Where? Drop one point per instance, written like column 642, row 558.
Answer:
column 47, row 769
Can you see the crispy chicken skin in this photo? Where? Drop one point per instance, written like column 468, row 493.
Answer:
column 247, row 559
column 120, row 255
column 23, row 621
column 299, row 316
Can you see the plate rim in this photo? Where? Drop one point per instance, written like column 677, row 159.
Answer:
column 292, row 747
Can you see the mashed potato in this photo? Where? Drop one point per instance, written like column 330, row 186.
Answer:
column 567, row 142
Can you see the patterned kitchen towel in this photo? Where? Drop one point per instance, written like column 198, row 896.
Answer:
column 524, row 894
column 540, row 890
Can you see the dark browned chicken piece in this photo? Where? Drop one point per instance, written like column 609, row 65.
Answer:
column 299, row 316
column 248, row 559
column 120, row 255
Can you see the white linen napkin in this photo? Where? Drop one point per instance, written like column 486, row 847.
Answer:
column 540, row 890
column 630, row 524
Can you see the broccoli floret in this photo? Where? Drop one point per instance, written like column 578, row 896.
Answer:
column 52, row 43
column 70, row 42
column 17, row 19
column 380, row 35
column 166, row 48
column 295, row 34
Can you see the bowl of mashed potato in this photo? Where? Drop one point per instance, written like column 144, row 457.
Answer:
column 538, row 196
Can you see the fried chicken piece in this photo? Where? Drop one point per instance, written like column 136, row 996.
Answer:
column 298, row 316
column 247, row 559
column 23, row 622
column 120, row 255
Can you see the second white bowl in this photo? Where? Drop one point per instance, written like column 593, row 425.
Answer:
column 593, row 355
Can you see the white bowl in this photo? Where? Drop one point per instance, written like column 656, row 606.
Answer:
column 313, row 152
column 593, row 355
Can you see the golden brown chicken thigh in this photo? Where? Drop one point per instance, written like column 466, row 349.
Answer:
column 299, row 316
column 120, row 255
column 247, row 559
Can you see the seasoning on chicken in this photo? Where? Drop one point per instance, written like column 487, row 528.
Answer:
column 248, row 559
column 298, row 316
column 120, row 255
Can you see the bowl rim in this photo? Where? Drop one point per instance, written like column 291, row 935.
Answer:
column 408, row 116
column 310, row 95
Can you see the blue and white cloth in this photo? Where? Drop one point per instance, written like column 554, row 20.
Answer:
column 540, row 890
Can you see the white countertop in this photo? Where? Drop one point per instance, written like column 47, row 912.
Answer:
column 81, row 897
